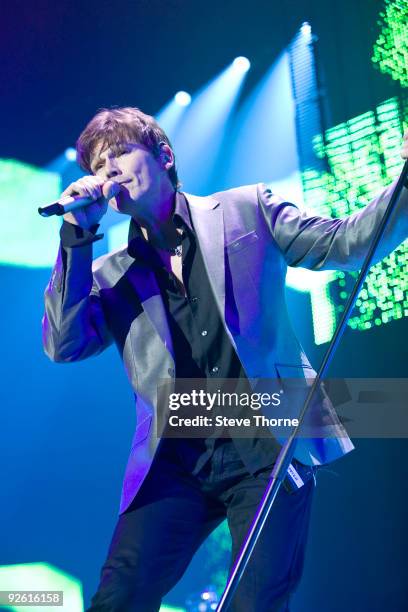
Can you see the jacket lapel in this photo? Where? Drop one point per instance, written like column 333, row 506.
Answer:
column 148, row 290
column 208, row 223
column 144, row 281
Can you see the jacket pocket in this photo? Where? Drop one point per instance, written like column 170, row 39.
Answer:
column 296, row 381
column 242, row 242
column 287, row 371
column 142, row 431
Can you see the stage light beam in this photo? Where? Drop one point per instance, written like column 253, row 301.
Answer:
column 182, row 98
column 203, row 128
column 241, row 64
column 306, row 29
column 70, row 154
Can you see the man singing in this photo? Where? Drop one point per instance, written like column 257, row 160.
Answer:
column 198, row 292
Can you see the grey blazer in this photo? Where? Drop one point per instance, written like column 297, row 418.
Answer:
column 248, row 235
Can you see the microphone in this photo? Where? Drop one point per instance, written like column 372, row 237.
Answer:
column 70, row 203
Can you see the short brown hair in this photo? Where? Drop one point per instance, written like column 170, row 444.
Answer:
column 112, row 126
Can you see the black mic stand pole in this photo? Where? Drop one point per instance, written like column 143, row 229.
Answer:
column 287, row 451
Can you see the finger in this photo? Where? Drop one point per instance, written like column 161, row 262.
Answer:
column 93, row 181
column 84, row 188
column 93, row 186
column 76, row 188
column 110, row 189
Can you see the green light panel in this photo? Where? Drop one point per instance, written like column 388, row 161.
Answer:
column 217, row 554
column 26, row 239
column 46, row 577
column 391, row 48
column 363, row 156
column 42, row 577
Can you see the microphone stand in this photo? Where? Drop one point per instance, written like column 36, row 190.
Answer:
column 287, row 451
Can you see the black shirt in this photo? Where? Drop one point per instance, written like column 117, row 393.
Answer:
column 202, row 348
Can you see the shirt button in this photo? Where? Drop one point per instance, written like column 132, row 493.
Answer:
column 204, row 332
column 215, row 369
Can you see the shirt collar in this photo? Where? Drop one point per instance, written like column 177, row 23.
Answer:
column 181, row 213
column 181, row 218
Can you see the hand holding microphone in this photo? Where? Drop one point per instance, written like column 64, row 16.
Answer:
column 85, row 201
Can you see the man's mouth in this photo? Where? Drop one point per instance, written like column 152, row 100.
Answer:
column 122, row 182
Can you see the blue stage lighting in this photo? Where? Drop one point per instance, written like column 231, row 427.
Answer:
column 204, row 127
column 70, row 154
column 306, row 29
column 182, row 98
column 241, row 64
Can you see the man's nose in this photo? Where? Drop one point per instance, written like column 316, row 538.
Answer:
column 111, row 169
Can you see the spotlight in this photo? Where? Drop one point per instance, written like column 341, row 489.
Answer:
column 203, row 602
column 306, row 29
column 70, row 154
column 182, row 98
column 241, row 64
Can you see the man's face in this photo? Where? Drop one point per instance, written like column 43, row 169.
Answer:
column 140, row 175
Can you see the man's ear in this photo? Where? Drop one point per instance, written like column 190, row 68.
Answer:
column 166, row 155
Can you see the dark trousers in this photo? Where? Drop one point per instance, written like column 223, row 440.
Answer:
column 174, row 512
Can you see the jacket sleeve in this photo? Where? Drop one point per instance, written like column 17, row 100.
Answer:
column 73, row 325
column 321, row 243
